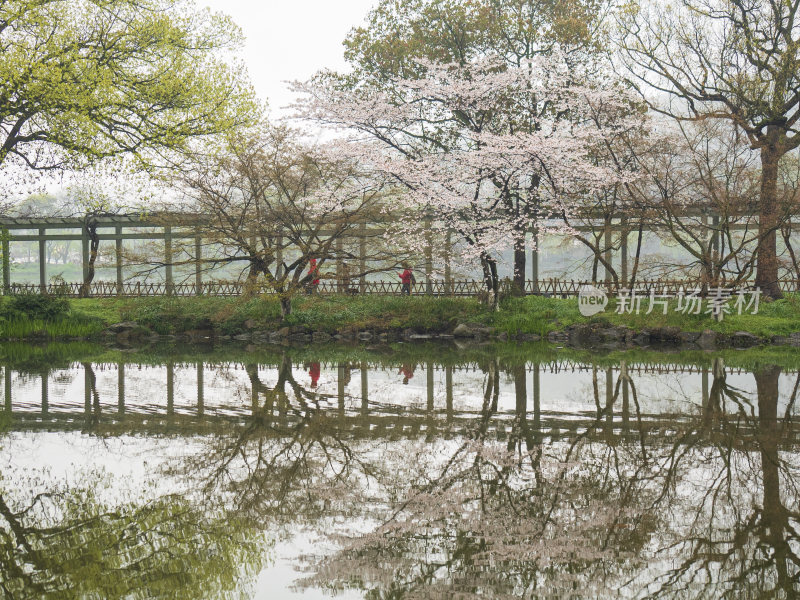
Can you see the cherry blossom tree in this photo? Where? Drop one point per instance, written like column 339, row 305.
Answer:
column 481, row 149
column 274, row 202
column 399, row 35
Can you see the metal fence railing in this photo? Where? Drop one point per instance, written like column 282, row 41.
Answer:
column 562, row 288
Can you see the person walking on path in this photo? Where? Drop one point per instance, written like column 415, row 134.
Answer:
column 313, row 271
column 406, row 278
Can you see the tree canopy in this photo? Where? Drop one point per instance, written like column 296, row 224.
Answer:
column 82, row 80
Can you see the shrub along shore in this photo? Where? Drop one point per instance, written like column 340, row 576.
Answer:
column 388, row 318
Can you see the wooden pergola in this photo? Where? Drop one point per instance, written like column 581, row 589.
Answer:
column 173, row 227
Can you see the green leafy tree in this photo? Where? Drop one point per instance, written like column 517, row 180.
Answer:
column 83, row 80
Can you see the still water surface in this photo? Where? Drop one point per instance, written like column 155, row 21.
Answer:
column 413, row 473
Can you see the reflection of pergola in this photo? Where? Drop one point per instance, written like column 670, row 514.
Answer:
column 378, row 421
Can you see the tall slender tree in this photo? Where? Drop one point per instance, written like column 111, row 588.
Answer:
column 736, row 60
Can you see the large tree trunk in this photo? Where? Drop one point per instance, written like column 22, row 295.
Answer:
column 519, row 264
column 94, row 246
column 767, row 260
column 637, row 256
column 492, row 282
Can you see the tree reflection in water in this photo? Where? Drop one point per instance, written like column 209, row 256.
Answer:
column 701, row 513
column 480, row 517
column 64, row 542
column 284, row 471
column 727, row 491
column 705, row 506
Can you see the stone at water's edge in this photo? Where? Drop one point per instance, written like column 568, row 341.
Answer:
column 123, row 326
column 467, row 330
column 462, row 330
column 707, row 340
column 744, row 339
column 793, row 339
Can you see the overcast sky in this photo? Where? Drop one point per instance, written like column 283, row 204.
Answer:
column 291, row 39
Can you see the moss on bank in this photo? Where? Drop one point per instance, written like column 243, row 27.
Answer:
column 230, row 316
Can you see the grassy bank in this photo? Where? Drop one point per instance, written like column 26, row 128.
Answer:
column 535, row 314
column 330, row 314
column 231, row 316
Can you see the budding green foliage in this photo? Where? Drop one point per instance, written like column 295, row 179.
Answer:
column 82, row 80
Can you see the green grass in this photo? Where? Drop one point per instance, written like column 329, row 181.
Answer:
column 330, row 314
column 535, row 314
column 71, row 326
column 532, row 314
column 385, row 312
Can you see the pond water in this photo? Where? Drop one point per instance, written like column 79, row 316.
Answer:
column 403, row 472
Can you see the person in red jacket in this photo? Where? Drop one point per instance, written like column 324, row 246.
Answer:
column 406, row 278
column 407, row 371
column 313, row 271
column 313, row 371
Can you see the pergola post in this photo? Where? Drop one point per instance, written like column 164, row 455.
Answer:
column 118, row 257
column 362, row 258
column 607, row 241
column 448, row 257
column 168, row 260
column 42, row 260
column 6, row 247
column 85, row 255
column 339, row 265
column 198, row 270
column 535, row 259
column 716, row 234
column 624, row 251
column 279, row 257
column 428, row 258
